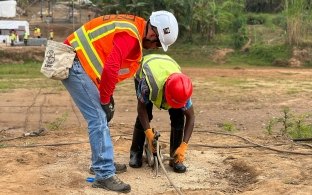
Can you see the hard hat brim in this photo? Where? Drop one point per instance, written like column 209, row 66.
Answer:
column 174, row 104
column 165, row 47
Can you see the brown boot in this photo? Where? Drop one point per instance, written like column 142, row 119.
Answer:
column 113, row 184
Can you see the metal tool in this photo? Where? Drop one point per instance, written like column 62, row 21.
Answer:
column 152, row 159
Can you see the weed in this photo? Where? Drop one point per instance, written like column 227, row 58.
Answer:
column 56, row 124
column 294, row 126
column 3, row 145
column 270, row 125
column 227, row 126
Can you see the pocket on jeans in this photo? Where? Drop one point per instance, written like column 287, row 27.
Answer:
column 77, row 68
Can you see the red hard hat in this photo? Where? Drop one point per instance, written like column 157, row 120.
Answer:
column 178, row 90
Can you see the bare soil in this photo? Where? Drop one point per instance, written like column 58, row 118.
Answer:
column 57, row 161
column 218, row 162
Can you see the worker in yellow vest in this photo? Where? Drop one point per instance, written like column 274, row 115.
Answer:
column 26, row 35
column 12, row 37
column 51, row 34
column 160, row 83
column 37, row 32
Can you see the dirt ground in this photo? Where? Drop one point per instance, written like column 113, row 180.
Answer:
column 218, row 162
column 245, row 161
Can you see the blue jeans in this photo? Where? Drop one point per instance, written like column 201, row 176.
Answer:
column 86, row 96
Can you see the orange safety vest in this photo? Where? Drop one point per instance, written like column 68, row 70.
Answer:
column 93, row 43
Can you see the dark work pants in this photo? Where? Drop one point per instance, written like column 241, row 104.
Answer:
column 177, row 126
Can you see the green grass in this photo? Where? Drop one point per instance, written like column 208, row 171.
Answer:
column 19, row 71
column 26, row 76
column 261, row 55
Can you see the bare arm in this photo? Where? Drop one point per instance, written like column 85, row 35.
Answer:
column 189, row 124
column 143, row 116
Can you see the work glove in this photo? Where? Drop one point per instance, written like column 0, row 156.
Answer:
column 109, row 109
column 179, row 154
column 150, row 135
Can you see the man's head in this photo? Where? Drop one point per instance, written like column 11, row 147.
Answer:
column 162, row 30
column 178, row 89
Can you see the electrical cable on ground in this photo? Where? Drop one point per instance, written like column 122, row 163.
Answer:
column 201, row 145
column 259, row 145
column 163, row 167
column 43, row 145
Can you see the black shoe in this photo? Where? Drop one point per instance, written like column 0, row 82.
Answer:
column 135, row 159
column 113, row 183
column 120, row 168
column 177, row 167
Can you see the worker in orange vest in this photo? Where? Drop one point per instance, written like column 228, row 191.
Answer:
column 109, row 49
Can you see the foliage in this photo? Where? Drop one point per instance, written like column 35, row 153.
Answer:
column 254, row 19
column 58, row 122
column 213, row 24
column 298, row 13
column 264, row 5
column 280, row 21
column 261, row 55
column 294, row 126
column 270, row 53
column 228, row 126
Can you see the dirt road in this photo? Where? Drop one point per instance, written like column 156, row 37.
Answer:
column 241, row 100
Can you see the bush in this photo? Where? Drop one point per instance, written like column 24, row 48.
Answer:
column 269, row 53
column 280, row 21
column 262, row 55
column 255, row 19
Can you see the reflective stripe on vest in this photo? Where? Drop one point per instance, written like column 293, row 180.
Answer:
column 156, row 69
column 83, row 41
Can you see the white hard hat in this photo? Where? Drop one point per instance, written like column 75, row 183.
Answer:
column 167, row 27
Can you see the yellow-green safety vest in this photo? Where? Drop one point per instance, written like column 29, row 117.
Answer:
column 156, row 68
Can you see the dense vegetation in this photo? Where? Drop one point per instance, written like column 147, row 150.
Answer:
column 260, row 31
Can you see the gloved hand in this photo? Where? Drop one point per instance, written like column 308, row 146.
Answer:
column 150, row 135
column 179, row 154
column 109, row 109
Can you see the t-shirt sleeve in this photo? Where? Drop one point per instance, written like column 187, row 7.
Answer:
column 123, row 46
column 143, row 91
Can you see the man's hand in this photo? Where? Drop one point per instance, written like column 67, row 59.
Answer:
column 150, row 135
column 179, row 154
column 109, row 109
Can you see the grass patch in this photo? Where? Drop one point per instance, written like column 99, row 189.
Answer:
column 19, row 71
column 261, row 55
column 26, row 76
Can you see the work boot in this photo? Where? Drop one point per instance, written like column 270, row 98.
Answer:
column 136, row 150
column 176, row 135
column 135, row 159
column 113, row 183
column 120, row 168
column 177, row 167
